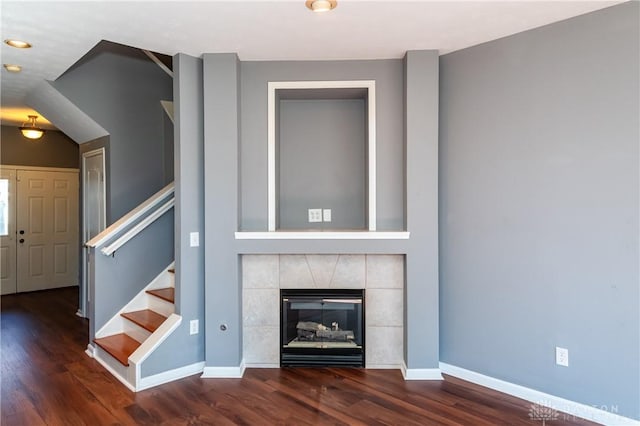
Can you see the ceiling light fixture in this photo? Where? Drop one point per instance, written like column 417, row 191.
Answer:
column 12, row 67
column 17, row 43
column 30, row 129
column 321, row 5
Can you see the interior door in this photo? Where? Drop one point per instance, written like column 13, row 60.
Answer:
column 94, row 211
column 7, row 232
column 94, row 194
column 47, row 224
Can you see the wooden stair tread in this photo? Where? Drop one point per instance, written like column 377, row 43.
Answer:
column 119, row 346
column 147, row 319
column 167, row 294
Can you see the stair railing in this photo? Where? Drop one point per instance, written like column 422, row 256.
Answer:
column 130, row 218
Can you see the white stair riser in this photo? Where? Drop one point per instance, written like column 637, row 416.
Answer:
column 123, row 325
column 135, row 331
column 160, row 306
column 149, row 301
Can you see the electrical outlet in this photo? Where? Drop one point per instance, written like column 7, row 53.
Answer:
column 194, row 239
column 194, row 326
column 562, row 356
column 326, row 215
column 315, row 215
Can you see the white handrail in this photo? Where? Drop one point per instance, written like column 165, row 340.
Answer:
column 110, row 249
column 131, row 217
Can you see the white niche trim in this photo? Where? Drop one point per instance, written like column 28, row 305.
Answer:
column 323, row 235
column 370, row 86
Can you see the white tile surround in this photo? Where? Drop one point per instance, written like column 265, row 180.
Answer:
column 381, row 275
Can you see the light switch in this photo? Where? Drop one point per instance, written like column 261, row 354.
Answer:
column 326, row 215
column 195, row 239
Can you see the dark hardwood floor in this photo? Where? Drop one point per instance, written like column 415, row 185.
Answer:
column 48, row 379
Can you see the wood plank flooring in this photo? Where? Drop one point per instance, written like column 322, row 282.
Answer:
column 48, row 379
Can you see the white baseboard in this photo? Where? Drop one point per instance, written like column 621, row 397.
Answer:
column 564, row 405
column 90, row 351
column 223, row 372
column 383, row 367
column 420, row 373
column 258, row 365
column 170, row 376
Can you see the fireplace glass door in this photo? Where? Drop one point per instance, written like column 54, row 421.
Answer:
column 322, row 328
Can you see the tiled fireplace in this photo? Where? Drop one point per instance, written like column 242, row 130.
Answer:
column 382, row 276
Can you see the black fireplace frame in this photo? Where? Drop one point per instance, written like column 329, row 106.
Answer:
column 325, row 357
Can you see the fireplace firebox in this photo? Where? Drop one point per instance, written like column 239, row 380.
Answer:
column 322, row 328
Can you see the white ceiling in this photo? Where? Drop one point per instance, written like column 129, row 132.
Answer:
column 62, row 32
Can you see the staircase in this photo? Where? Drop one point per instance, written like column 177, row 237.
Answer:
column 121, row 345
column 131, row 282
column 137, row 329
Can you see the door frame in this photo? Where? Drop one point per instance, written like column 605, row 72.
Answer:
column 10, row 175
column 85, row 297
column 14, row 169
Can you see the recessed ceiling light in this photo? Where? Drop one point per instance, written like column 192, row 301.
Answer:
column 321, row 5
column 17, row 43
column 13, row 67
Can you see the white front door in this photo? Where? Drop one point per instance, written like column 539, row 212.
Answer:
column 94, row 211
column 7, row 232
column 47, row 225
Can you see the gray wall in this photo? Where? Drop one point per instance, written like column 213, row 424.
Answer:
column 54, row 149
column 63, row 113
column 253, row 147
column 121, row 89
column 322, row 153
column 539, row 208
column 181, row 348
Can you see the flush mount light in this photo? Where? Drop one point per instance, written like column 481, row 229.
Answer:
column 321, row 5
column 17, row 43
column 12, row 67
column 30, row 129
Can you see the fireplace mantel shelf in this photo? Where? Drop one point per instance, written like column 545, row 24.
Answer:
column 323, row 235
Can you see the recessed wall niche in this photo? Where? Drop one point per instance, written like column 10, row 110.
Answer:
column 321, row 154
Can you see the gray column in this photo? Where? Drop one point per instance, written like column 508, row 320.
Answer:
column 221, row 132
column 421, row 144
